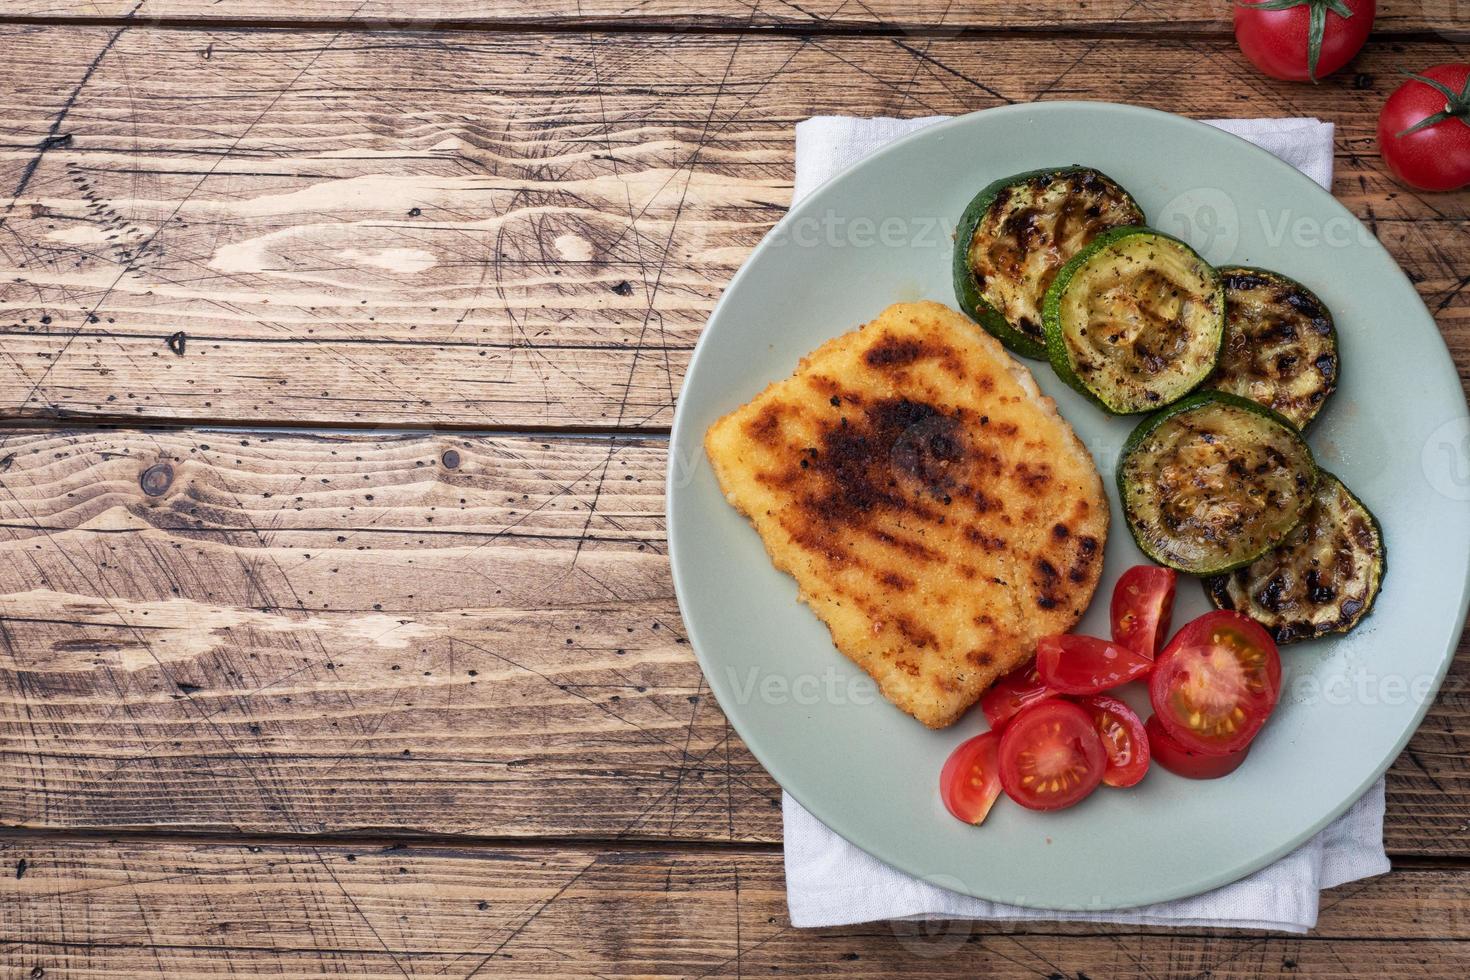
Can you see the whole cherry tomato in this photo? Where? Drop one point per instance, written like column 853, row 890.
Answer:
column 1424, row 129
column 1302, row 40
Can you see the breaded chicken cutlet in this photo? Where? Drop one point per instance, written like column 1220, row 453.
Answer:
column 936, row 511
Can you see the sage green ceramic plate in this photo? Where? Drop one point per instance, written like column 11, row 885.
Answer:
column 1396, row 432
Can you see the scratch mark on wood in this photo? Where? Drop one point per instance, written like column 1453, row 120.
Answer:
column 532, row 918
column 53, row 137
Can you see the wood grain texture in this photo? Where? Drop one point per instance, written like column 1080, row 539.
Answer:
column 831, row 15
column 163, row 909
column 288, row 633
column 496, row 230
column 474, row 636
column 321, row 633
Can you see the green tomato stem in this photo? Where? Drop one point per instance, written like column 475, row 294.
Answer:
column 1457, row 105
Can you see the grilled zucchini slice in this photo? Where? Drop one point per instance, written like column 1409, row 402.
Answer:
column 1280, row 345
column 1213, row 482
column 1135, row 321
column 1015, row 235
column 1323, row 578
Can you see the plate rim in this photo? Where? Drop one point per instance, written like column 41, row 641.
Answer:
column 718, row 685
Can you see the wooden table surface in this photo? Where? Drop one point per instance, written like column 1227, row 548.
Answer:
column 341, row 340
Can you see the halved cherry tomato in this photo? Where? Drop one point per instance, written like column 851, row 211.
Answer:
column 1143, row 606
column 970, row 779
column 1014, row 691
column 1182, row 762
column 1122, row 738
column 1075, row 664
column 1051, row 756
column 1215, row 684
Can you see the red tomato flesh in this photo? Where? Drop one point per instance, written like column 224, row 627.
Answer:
column 1143, row 607
column 970, row 780
column 1122, row 737
column 1074, row 664
column 1216, row 683
column 1051, row 756
column 1182, row 762
column 1014, row 691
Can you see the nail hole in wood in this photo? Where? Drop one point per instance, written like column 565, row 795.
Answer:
column 156, row 479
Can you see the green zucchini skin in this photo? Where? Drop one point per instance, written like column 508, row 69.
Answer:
column 970, row 292
column 1236, row 544
column 1177, row 378
column 1280, row 344
column 1323, row 579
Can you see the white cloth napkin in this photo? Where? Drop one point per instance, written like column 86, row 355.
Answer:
column 828, row 145
column 829, row 882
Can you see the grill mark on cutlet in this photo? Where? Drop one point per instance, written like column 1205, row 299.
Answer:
column 766, row 425
column 1049, row 579
column 888, row 469
column 894, row 354
column 928, row 447
column 908, row 546
column 986, row 542
column 1067, row 552
column 898, row 438
column 892, row 459
column 1033, row 479
column 892, row 351
column 835, row 393
column 897, row 582
column 918, row 635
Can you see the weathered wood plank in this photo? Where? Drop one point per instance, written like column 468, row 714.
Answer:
column 320, row 633
column 487, row 229
column 162, row 909
column 341, row 633
column 916, row 15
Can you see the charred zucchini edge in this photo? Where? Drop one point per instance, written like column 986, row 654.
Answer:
column 967, row 292
column 1272, row 275
column 1056, row 344
column 1151, row 423
column 1215, row 585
